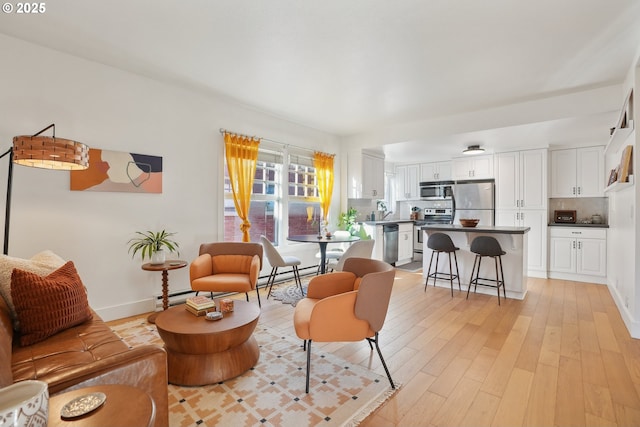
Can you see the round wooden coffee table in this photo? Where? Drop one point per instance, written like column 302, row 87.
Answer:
column 201, row 351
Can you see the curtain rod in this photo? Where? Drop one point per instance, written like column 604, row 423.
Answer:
column 223, row 131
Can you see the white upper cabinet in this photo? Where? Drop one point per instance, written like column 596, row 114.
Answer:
column 407, row 182
column 476, row 167
column 577, row 172
column 436, row 171
column 521, row 180
column 365, row 175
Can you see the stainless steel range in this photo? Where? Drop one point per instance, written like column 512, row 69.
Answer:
column 435, row 212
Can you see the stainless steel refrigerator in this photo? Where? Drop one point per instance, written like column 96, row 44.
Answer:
column 474, row 199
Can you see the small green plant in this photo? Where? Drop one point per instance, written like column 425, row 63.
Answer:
column 150, row 242
column 348, row 221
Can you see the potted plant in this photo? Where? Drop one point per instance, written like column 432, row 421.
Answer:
column 348, row 221
column 152, row 244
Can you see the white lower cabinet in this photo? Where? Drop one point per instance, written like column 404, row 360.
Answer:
column 577, row 253
column 405, row 243
column 536, row 220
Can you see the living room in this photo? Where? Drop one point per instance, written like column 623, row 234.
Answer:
column 106, row 107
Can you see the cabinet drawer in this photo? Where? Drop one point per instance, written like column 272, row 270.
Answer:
column 578, row 232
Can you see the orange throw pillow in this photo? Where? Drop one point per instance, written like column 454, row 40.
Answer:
column 50, row 304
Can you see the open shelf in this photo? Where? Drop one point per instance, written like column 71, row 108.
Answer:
column 619, row 186
column 618, row 137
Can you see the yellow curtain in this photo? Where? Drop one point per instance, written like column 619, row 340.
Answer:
column 323, row 163
column 242, row 156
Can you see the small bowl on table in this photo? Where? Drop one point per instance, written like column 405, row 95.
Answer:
column 469, row 222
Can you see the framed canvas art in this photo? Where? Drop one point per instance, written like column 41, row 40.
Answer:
column 119, row 171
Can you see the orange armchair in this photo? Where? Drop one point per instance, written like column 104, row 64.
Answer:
column 350, row 305
column 227, row 267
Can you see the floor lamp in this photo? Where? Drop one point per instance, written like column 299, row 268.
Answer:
column 46, row 152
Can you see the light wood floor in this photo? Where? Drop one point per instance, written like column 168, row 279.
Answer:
column 560, row 357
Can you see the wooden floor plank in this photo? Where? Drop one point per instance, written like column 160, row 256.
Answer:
column 563, row 356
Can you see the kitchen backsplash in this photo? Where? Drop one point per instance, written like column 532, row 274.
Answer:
column 585, row 207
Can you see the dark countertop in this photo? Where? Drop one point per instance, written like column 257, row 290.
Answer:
column 387, row 221
column 478, row 229
column 560, row 224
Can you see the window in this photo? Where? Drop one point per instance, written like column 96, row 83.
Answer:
column 269, row 199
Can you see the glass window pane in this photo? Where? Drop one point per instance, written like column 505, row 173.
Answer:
column 261, row 215
column 304, row 218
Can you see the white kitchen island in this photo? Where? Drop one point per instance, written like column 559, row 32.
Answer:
column 513, row 241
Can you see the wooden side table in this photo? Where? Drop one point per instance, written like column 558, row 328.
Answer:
column 125, row 406
column 168, row 265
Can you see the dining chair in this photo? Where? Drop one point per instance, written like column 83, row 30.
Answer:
column 276, row 261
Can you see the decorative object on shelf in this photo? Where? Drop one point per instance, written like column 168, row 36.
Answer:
column 25, row 403
column 469, row 222
column 45, row 152
column 625, row 164
column 613, row 176
column 152, row 244
column 119, row 171
column 473, row 149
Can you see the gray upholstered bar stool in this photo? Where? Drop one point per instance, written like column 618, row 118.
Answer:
column 438, row 243
column 487, row 246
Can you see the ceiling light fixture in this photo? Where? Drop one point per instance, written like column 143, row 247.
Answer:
column 473, row 149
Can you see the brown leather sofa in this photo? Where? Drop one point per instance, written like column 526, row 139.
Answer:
column 85, row 355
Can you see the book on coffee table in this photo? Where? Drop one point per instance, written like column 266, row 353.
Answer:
column 199, row 313
column 200, row 302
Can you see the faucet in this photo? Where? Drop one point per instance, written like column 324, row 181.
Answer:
column 386, row 214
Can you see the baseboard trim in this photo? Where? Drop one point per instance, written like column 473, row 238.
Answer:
column 633, row 326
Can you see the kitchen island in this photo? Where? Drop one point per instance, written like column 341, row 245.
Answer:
column 513, row 241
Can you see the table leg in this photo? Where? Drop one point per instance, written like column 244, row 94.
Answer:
column 165, row 289
column 323, row 256
column 165, row 296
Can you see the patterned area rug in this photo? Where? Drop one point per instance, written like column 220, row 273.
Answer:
column 289, row 293
column 272, row 393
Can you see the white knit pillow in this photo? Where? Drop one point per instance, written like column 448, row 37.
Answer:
column 41, row 263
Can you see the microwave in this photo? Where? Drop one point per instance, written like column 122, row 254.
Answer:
column 437, row 190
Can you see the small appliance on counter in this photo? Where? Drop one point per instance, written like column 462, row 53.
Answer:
column 564, row 217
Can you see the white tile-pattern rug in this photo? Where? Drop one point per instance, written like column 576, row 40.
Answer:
column 272, row 393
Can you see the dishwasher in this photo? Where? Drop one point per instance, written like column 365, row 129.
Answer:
column 390, row 243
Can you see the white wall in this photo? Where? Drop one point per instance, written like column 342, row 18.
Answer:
column 623, row 236
column 110, row 109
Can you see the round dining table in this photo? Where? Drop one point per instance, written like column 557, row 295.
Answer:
column 323, row 241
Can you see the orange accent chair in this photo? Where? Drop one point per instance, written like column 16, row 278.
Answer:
column 349, row 305
column 227, row 267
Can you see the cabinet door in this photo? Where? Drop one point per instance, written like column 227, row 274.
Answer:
column 562, row 257
column 508, row 181
column 533, row 179
column 412, row 184
column 537, row 238
column 428, row 172
column 444, row 171
column 372, row 177
column 590, row 172
column 400, row 179
column 461, row 168
column 563, row 173
column 592, row 257
column 482, row 167
column 405, row 245
column 507, row 218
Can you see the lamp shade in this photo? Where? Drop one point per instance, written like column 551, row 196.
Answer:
column 50, row 153
column 473, row 149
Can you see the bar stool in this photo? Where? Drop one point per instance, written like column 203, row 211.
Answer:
column 487, row 246
column 440, row 242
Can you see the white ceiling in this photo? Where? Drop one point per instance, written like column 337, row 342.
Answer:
column 348, row 66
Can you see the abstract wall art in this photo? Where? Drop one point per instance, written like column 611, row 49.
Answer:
column 119, row 171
